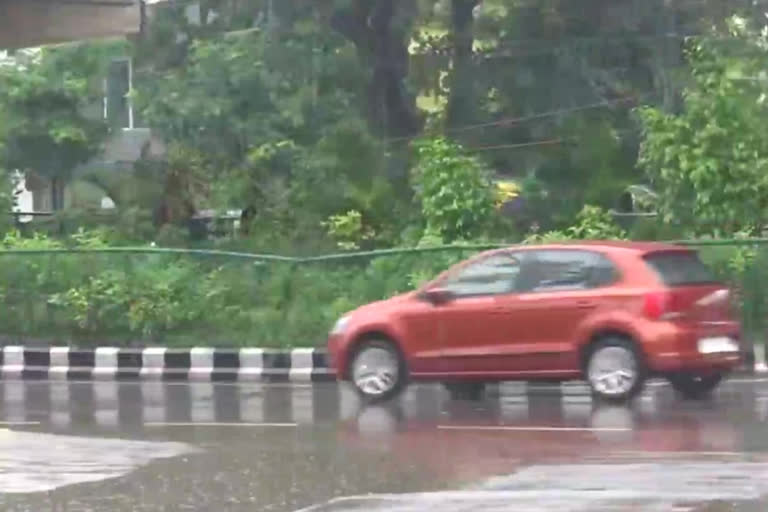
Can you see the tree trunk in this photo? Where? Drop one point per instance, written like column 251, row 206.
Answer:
column 669, row 58
column 57, row 194
column 371, row 26
column 461, row 100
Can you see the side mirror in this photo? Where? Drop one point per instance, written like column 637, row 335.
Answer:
column 438, row 296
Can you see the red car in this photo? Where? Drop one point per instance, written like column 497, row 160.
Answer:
column 613, row 313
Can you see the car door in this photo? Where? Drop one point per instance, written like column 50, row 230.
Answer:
column 477, row 323
column 558, row 291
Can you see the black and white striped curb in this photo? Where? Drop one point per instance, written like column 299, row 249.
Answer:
column 166, row 364
column 196, row 364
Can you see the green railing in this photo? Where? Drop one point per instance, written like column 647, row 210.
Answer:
column 142, row 296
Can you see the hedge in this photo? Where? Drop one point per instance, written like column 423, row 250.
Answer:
column 95, row 295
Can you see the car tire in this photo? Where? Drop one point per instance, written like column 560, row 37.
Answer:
column 693, row 386
column 465, row 390
column 377, row 370
column 615, row 369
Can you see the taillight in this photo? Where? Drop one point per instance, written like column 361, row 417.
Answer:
column 655, row 305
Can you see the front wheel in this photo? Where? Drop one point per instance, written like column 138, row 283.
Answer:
column 377, row 371
column 694, row 386
column 614, row 370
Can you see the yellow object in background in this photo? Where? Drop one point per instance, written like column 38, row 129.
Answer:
column 506, row 191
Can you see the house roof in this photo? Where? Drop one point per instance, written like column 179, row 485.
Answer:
column 39, row 22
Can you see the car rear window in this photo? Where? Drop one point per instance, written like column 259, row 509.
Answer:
column 680, row 268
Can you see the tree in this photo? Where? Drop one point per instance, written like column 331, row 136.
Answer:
column 544, row 90
column 380, row 31
column 51, row 113
column 305, row 111
column 455, row 191
column 275, row 113
column 709, row 163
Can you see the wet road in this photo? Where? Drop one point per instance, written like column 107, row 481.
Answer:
column 164, row 447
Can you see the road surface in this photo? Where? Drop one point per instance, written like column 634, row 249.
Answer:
column 118, row 447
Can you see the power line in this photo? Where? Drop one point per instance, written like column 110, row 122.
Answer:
column 542, row 115
column 532, row 117
column 542, row 142
column 546, row 142
column 677, row 3
column 511, row 53
column 560, row 41
column 527, row 48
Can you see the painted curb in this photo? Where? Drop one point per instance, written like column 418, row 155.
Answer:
column 200, row 364
column 164, row 364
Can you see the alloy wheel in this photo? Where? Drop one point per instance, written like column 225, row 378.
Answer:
column 375, row 371
column 612, row 371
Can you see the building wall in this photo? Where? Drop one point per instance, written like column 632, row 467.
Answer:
column 37, row 22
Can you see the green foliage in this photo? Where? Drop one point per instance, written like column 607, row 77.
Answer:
column 302, row 114
column 271, row 112
column 348, row 230
column 167, row 298
column 210, row 102
column 136, row 299
column 709, row 164
column 175, row 187
column 592, row 223
column 7, row 200
column 150, row 301
column 45, row 99
column 455, row 191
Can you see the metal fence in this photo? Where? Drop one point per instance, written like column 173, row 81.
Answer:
column 144, row 296
column 174, row 297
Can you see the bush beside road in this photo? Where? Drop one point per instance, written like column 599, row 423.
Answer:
column 87, row 294
column 84, row 293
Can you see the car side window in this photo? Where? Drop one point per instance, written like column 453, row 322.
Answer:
column 493, row 275
column 562, row 270
column 603, row 272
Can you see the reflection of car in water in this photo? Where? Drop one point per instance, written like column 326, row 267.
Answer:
column 613, row 312
column 471, row 447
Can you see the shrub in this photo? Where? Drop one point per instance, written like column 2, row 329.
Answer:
column 183, row 299
column 592, row 223
column 455, row 191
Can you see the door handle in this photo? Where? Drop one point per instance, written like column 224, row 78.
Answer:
column 585, row 304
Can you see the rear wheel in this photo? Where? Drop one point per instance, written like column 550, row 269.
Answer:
column 694, row 386
column 615, row 370
column 377, row 370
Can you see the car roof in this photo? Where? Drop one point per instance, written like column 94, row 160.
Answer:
column 607, row 246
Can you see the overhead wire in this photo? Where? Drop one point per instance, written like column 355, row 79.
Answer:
column 532, row 117
column 541, row 142
column 544, row 142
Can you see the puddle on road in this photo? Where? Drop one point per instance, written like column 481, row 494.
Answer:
column 507, row 502
column 32, row 462
column 682, row 486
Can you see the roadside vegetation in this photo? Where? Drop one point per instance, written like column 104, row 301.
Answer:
column 362, row 126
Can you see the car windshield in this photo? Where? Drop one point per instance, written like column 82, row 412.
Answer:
column 680, row 268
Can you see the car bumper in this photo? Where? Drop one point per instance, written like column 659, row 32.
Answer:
column 690, row 361
column 678, row 348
